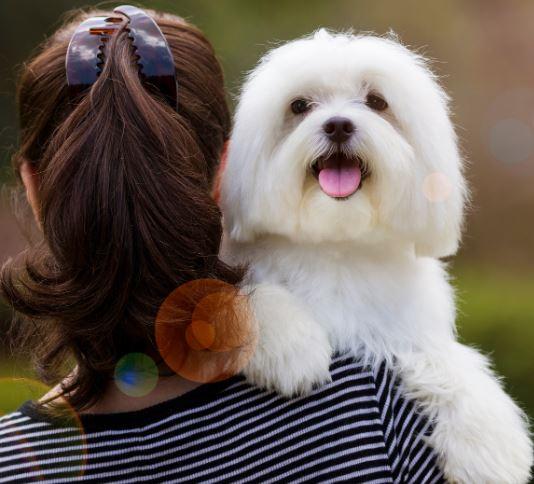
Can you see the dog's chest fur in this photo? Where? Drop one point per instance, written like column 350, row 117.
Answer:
column 369, row 299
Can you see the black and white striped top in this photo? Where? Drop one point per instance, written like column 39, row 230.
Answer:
column 357, row 428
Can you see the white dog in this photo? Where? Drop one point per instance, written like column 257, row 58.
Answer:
column 343, row 186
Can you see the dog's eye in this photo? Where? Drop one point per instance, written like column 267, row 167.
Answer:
column 299, row 106
column 376, row 102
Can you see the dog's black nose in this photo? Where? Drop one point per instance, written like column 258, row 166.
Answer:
column 338, row 129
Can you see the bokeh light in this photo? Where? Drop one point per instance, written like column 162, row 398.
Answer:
column 136, row 374
column 511, row 141
column 509, row 131
column 437, row 187
column 200, row 335
column 205, row 331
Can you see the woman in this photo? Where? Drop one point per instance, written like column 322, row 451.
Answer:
column 118, row 170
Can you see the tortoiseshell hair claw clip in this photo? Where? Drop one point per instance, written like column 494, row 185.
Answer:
column 86, row 54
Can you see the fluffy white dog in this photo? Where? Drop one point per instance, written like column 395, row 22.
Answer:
column 342, row 189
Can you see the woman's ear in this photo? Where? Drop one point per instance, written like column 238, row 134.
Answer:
column 30, row 180
column 218, row 176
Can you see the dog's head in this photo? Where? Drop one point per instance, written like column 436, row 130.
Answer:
column 344, row 138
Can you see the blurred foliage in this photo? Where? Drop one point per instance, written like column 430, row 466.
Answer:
column 496, row 314
column 16, row 390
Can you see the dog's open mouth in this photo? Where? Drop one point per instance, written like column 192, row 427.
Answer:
column 339, row 175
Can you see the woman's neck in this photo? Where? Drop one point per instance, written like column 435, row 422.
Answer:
column 113, row 400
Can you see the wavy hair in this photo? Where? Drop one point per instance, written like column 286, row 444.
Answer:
column 125, row 203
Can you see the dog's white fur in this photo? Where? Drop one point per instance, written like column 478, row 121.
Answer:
column 362, row 274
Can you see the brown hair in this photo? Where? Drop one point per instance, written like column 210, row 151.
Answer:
column 124, row 203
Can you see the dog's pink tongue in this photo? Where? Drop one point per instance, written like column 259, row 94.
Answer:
column 339, row 177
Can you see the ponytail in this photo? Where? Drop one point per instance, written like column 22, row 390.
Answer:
column 125, row 205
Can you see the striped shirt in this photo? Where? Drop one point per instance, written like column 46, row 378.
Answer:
column 358, row 428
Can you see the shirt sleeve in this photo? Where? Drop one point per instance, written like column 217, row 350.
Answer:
column 406, row 430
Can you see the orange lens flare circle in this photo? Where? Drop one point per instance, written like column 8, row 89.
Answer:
column 205, row 331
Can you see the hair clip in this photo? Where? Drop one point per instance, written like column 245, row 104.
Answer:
column 86, row 52
column 155, row 60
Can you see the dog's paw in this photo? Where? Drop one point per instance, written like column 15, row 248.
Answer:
column 293, row 368
column 484, row 446
column 293, row 353
column 480, row 435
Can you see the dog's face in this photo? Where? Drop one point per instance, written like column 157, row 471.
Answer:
column 344, row 138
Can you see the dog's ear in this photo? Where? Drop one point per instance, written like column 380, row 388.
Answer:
column 430, row 205
column 439, row 193
column 442, row 196
column 232, row 198
column 239, row 183
column 216, row 192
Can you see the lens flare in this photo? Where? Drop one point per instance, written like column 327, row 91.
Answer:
column 437, row 187
column 204, row 330
column 511, row 141
column 136, row 374
column 200, row 335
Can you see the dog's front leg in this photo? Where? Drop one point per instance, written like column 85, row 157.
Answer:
column 480, row 434
column 293, row 352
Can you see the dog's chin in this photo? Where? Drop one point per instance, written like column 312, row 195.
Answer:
column 339, row 175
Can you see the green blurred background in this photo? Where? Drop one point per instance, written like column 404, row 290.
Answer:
column 484, row 52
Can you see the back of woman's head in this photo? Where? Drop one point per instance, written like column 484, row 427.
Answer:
column 124, row 203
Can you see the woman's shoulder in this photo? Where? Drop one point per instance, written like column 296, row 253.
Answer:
column 12, row 422
column 15, row 423
column 358, row 425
